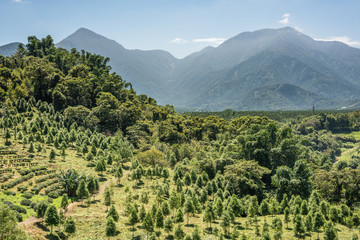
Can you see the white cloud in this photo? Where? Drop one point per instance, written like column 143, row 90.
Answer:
column 179, row 40
column 344, row 39
column 18, row 1
column 286, row 19
column 212, row 41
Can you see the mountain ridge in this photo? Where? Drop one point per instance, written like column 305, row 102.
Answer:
column 218, row 78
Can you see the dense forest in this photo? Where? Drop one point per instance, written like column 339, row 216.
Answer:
column 83, row 156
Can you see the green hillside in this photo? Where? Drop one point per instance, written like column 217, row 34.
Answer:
column 84, row 157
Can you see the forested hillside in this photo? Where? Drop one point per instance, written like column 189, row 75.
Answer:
column 84, row 157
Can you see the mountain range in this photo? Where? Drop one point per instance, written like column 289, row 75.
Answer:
column 268, row 69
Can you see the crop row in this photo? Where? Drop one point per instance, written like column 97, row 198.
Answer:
column 7, row 152
column 6, row 177
column 25, row 171
column 29, row 164
column 17, row 181
column 38, row 187
column 44, row 178
column 6, row 170
column 53, row 188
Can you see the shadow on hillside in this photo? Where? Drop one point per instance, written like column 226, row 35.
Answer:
column 102, row 179
column 57, row 235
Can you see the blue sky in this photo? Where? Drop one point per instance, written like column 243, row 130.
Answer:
column 178, row 26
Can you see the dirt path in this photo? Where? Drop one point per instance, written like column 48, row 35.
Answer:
column 28, row 224
column 72, row 206
column 345, row 152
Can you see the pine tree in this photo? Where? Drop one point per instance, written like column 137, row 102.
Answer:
column 133, row 218
column 196, row 234
column 82, row 191
column 179, row 217
column 52, row 217
column 142, row 213
column 31, row 148
column 308, row 224
column 64, row 201
column 110, row 227
column 287, row 216
column 179, row 232
column 165, row 208
column 70, row 226
column 225, row 222
column 113, row 213
column 264, row 208
column 159, row 219
column 148, row 223
column 330, row 232
column 218, row 210
column 209, row 215
column 52, row 154
column 107, row 197
column 189, row 208
column 318, row 222
column 299, row 229
column 168, row 225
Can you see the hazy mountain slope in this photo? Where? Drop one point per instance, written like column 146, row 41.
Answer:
column 9, row 49
column 230, row 87
column 223, row 77
column 148, row 71
column 282, row 97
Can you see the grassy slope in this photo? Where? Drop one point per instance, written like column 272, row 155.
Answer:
column 91, row 219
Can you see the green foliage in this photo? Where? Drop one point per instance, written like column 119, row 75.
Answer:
column 52, row 217
column 113, row 214
column 110, row 227
column 9, row 226
column 70, row 226
column 82, row 191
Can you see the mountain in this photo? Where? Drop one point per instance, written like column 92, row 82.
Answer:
column 252, row 70
column 9, row 49
column 148, row 71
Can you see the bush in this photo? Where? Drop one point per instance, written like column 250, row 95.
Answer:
column 27, row 195
column 53, row 194
column 22, row 188
column 26, row 202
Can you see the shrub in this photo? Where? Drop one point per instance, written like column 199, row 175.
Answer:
column 26, row 202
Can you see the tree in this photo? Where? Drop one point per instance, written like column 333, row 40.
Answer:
column 287, row 216
column 168, row 225
column 189, row 208
column 225, row 222
column 52, row 217
column 179, row 217
column 308, row 224
column 70, row 226
column 159, row 218
column 52, row 154
column 196, row 234
column 82, row 191
column 277, row 226
column 179, row 232
column 218, row 208
column 9, row 226
column 209, row 215
column 133, row 218
column 299, row 229
column 100, row 166
column 64, row 201
column 41, row 209
column 148, row 223
column 264, row 208
column 107, row 196
column 113, row 213
column 318, row 222
column 110, row 227
column 330, row 232
column 165, row 208
column 118, row 174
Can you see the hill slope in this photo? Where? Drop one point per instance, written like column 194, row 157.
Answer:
column 227, row 73
column 9, row 49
